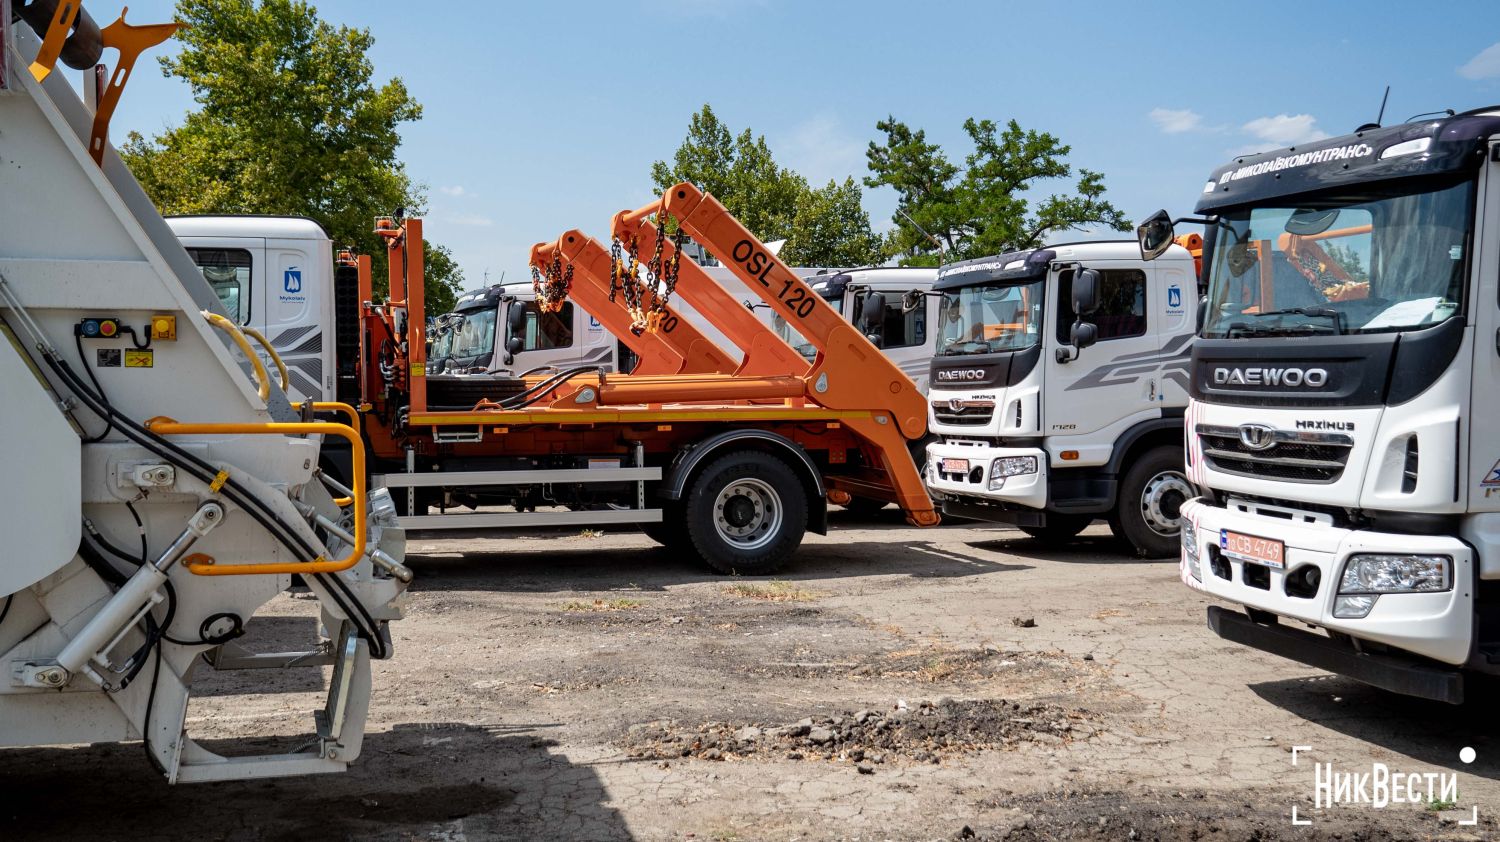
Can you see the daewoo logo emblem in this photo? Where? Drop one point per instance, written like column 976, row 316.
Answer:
column 955, row 404
column 1257, row 436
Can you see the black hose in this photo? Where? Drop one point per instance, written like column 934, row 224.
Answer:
column 252, row 505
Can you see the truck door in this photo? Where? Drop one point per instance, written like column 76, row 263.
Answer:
column 235, row 268
column 295, row 311
column 1482, row 487
column 904, row 336
column 546, row 340
column 1114, row 380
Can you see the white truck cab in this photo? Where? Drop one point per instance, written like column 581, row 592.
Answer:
column 891, row 305
column 1341, row 433
column 1058, row 387
column 501, row 331
column 275, row 274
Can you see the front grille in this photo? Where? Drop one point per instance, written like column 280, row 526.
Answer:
column 963, row 413
column 1291, row 456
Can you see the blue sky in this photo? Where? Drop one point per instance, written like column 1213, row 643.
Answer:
column 540, row 117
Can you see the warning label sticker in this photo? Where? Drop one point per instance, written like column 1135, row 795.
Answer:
column 139, row 359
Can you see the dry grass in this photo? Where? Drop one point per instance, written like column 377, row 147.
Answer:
column 591, row 533
column 776, row 590
column 616, row 604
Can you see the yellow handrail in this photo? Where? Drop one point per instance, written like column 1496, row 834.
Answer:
column 275, row 357
column 333, row 406
column 262, row 379
column 170, row 427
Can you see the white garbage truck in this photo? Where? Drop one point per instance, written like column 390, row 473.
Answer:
column 1058, row 390
column 1344, row 386
column 167, row 495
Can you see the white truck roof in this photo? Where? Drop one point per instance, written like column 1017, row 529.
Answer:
column 269, row 227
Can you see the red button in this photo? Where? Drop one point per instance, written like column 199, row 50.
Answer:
column 108, row 328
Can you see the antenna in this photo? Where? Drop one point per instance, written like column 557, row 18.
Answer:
column 942, row 254
column 1381, row 116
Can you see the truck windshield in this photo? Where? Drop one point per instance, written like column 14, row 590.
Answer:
column 1379, row 261
column 475, row 335
column 987, row 319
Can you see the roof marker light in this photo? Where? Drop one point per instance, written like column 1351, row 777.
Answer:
column 1409, row 147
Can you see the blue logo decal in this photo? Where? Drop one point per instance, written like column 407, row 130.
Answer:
column 1174, row 296
column 292, row 280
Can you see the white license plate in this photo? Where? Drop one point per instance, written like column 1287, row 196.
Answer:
column 1264, row 551
column 955, row 466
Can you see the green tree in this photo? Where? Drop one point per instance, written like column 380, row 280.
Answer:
column 831, row 228
column 824, row 227
column 982, row 207
column 289, row 122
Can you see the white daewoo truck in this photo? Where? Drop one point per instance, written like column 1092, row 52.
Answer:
column 1343, row 394
column 1058, row 388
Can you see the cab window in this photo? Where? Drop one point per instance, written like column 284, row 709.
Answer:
column 228, row 272
column 547, row 330
column 1122, row 305
column 899, row 328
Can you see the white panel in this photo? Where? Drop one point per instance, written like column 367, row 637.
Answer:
column 41, row 451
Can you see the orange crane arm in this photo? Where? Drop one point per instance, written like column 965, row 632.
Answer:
column 700, row 354
column 765, row 352
column 849, row 372
column 656, row 355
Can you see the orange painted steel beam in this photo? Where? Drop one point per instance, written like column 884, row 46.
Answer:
column 618, row 391
column 699, row 353
column 657, row 356
column 764, row 351
column 849, row 372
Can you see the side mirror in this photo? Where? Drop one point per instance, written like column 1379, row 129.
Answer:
column 876, row 339
column 515, row 317
column 1155, row 235
column 911, row 300
column 872, row 312
column 514, row 344
column 1086, row 291
column 1084, row 334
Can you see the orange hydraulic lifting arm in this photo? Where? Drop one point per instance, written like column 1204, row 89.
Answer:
column 700, row 354
column 765, row 352
column 657, row 356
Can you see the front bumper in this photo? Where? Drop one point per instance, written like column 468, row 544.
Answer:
column 1433, row 625
column 1027, row 490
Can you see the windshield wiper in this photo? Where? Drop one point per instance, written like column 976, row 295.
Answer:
column 1313, row 312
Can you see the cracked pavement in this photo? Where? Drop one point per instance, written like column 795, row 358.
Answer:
column 524, row 660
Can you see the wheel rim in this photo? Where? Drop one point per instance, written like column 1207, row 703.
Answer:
column 1161, row 502
column 747, row 514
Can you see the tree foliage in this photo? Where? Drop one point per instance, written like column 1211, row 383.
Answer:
column 983, row 207
column 289, row 122
column 823, row 227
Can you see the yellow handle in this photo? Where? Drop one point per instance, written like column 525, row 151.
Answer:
column 169, row 427
column 275, row 357
column 263, row 380
column 333, row 406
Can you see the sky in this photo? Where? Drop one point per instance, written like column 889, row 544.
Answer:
column 544, row 116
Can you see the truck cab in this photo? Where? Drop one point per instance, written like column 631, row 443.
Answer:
column 891, row 305
column 1343, row 380
column 1058, row 386
column 501, row 331
column 274, row 274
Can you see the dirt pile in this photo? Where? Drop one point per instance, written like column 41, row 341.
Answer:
column 924, row 732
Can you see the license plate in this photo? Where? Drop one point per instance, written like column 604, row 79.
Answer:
column 1265, row 551
column 955, row 466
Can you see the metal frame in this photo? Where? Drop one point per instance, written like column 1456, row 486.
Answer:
column 411, row 481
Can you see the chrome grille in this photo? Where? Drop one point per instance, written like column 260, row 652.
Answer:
column 1287, row 454
column 963, row 413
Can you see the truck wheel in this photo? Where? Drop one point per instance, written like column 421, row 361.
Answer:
column 746, row 513
column 1059, row 528
column 672, row 531
column 1150, row 503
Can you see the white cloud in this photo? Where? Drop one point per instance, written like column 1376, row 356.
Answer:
column 1176, row 121
column 820, row 150
column 1486, row 65
column 1286, row 129
column 456, row 190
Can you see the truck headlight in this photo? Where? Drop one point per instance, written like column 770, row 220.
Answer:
column 1383, row 573
column 1190, row 548
column 1010, row 466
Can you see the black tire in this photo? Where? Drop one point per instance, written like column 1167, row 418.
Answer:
column 1139, row 521
column 1059, row 528
column 755, row 495
column 672, row 531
